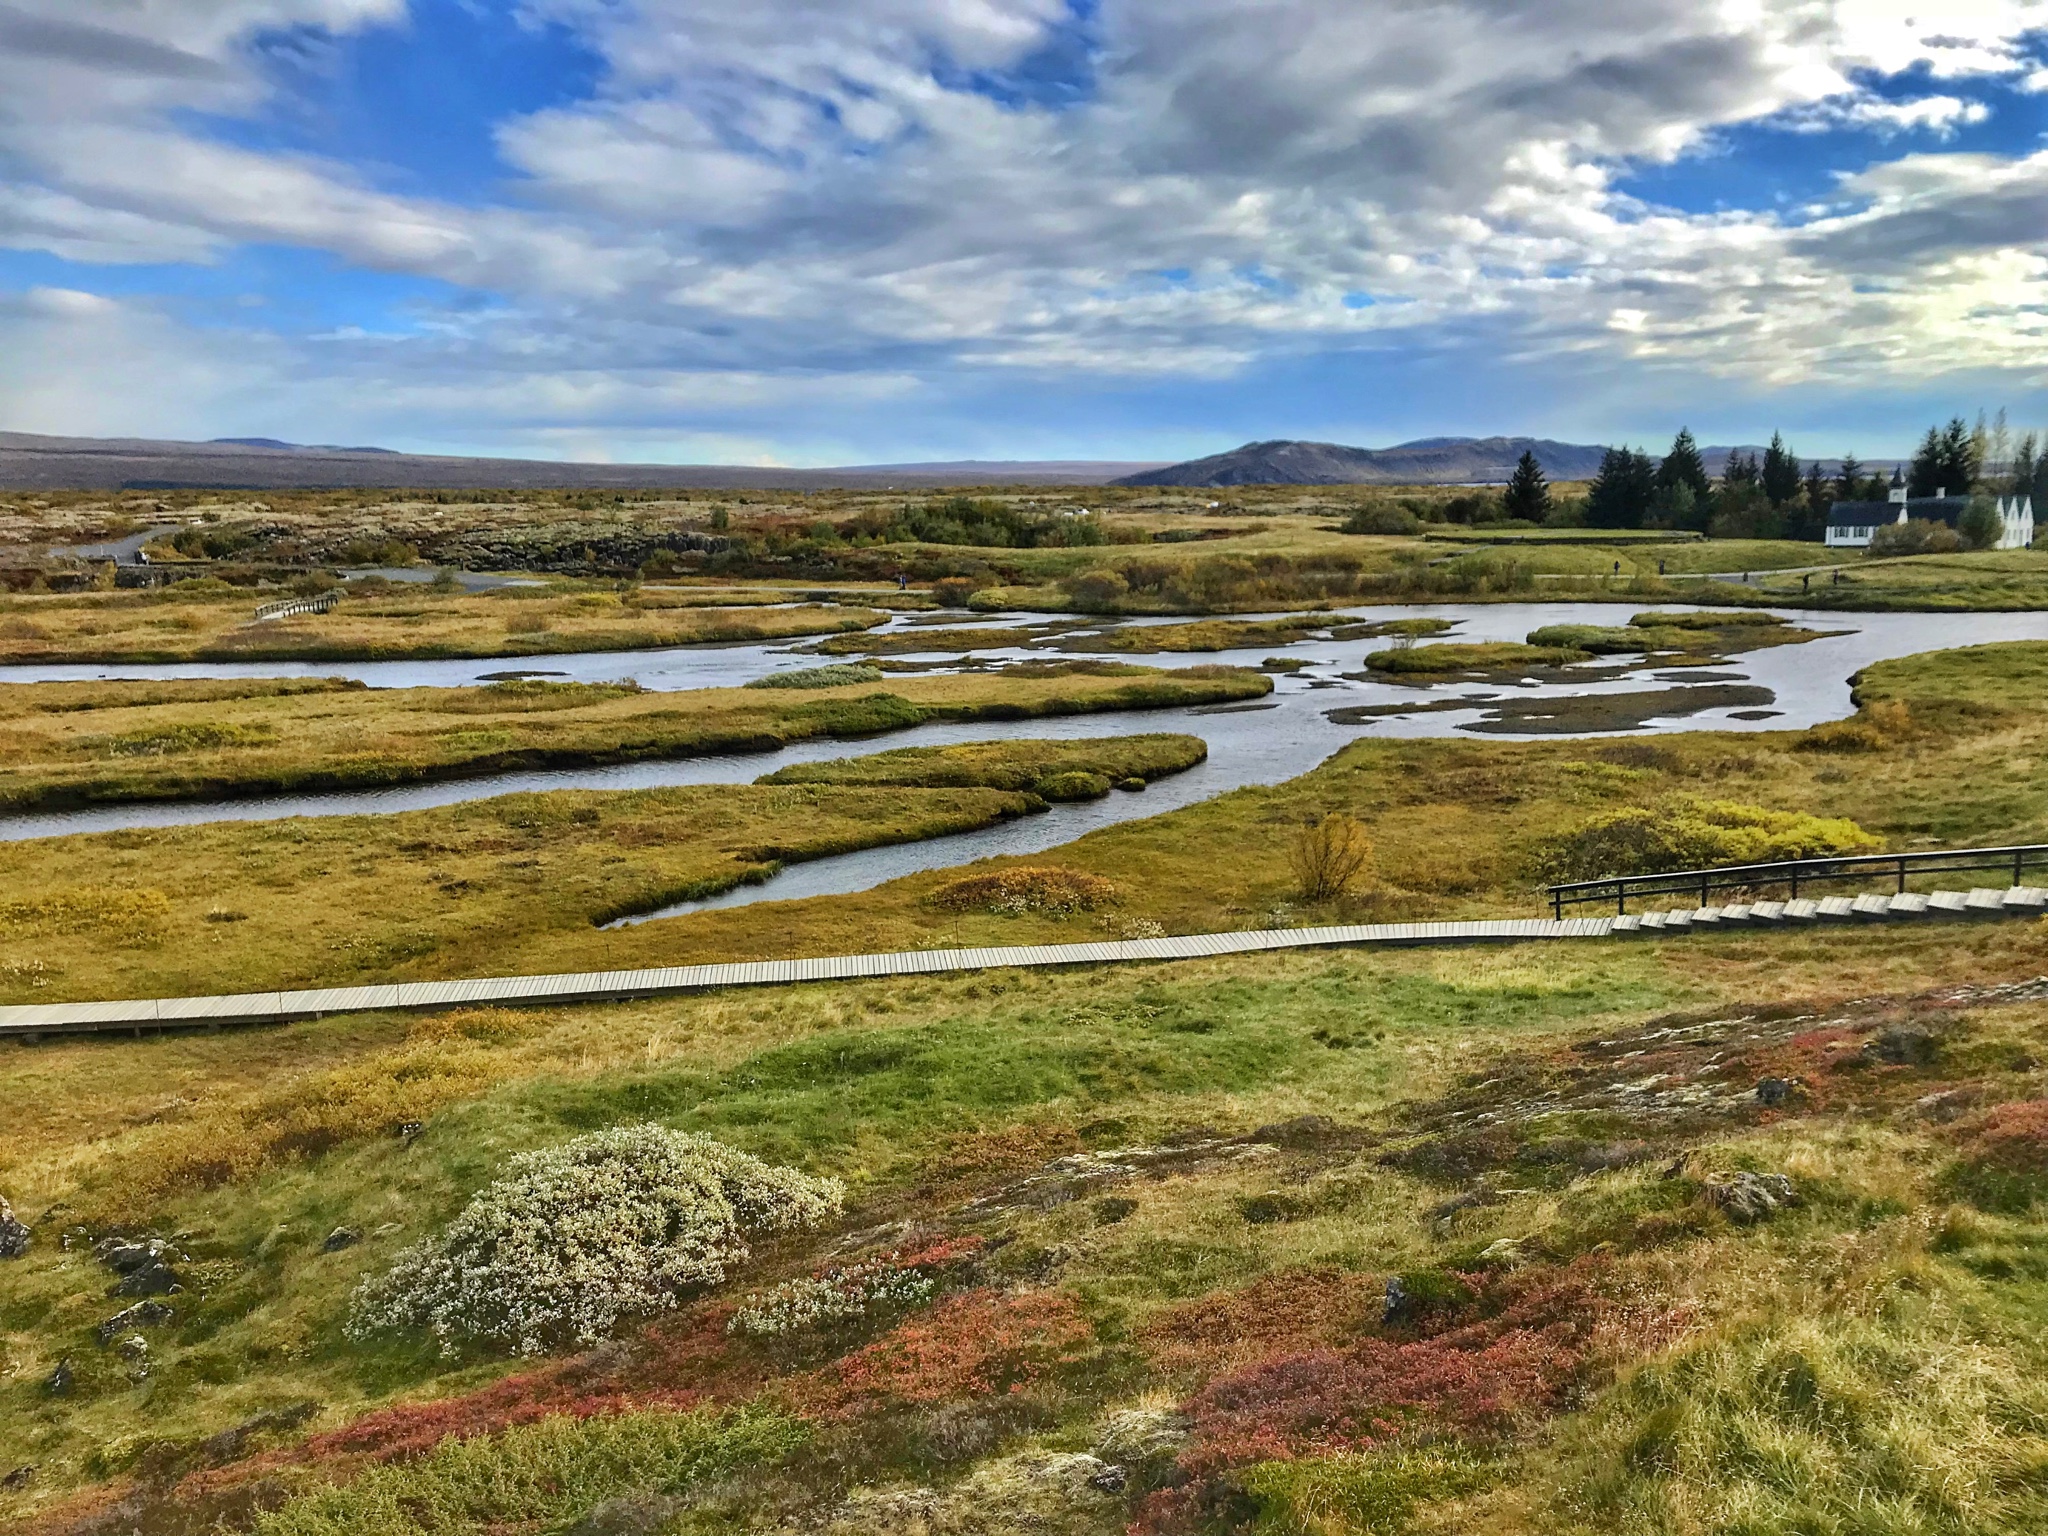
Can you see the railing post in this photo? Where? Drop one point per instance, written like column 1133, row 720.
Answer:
column 1795, row 882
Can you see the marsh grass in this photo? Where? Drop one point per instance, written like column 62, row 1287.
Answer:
column 182, row 623
column 87, row 743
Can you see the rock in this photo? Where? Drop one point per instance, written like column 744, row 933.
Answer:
column 1109, row 1479
column 1139, row 1435
column 58, row 1382
column 126, row 1255
column 1947, row 1106
column 14, row 1235
column 135, row 1348
column 155, row 1278
column 340, row 1238
column 19, row 1478
column 144, row 1314
column 1506, row 1250
column 1750, row 1197
column 1773, row 1091
column 1396, row 1306
column 409, row 1128
column 1902, row 1046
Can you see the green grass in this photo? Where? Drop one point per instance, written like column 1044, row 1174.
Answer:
column 94, row 743
column 1012, row 765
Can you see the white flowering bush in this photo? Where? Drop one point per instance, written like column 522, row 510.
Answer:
column 835, row 1297
column 576, row 1239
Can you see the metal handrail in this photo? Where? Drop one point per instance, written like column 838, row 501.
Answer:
column 1743, row 877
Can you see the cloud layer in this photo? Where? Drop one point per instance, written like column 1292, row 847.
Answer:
column 860, row 193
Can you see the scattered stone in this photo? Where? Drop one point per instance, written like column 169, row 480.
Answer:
column 58, row 1382
column 1750, row 1197
column 1505, row 1251
column 14, row 1235
column 1396, row 1306
column 340, row 1238
column 133, row 1348
column 19, row 1478
column 155, row 1278
column 1138, row 1435
column 144, row 1314
column 1948, row 1105
column 410, row 1128
column 1111, row 1209
column 1902, row 1046
column 1773, row 1091
column 1037, row 1491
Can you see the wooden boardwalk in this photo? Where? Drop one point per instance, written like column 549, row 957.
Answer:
column 32, row 1022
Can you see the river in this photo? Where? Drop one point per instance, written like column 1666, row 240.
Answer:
column 1261, row 742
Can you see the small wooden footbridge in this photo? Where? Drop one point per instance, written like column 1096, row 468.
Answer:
column 37, row 1021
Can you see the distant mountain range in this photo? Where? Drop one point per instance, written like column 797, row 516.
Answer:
column 32, row 462
column 1426, row 461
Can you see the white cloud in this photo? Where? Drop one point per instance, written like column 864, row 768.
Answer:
column 817, row 189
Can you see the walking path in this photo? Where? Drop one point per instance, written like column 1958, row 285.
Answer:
column 31, row 1022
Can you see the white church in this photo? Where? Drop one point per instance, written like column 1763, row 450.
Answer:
column 1853, row 524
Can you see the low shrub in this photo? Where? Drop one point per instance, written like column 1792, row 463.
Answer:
column 1026, row 888
column 1328, row 856
column 578, row 1238
column 859, row 1293
column 1916, row 536
column 1382, row 519
column 1691, row 834
column 975, row 1344
column 838, row 676
column 1873, row 728
column 1076, row 785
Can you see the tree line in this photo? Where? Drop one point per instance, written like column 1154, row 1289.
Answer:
column 1775, row 496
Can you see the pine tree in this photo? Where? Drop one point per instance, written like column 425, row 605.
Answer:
column 1923, row 476
column 1781, row 472
column 1527, row 495
column 1820, row 495
column 1621, row 493
column 1849, row 479
column 2021, row 481
column 1740, row 469
column 1684, row 466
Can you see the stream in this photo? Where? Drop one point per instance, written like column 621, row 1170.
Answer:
column 1259, row 742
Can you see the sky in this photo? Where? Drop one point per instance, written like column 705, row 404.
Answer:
column 814, row 232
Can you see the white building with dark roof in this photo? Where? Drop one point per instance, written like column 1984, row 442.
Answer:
column 1853, row 524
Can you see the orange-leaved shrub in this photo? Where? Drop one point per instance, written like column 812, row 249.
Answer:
column 1025, row 888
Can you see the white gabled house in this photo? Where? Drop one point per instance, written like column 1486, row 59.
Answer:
column 1853, row 524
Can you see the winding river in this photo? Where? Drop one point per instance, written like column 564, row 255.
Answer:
column 1261, row 742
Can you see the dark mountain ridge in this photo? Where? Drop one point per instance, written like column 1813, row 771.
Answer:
column 1425, row 461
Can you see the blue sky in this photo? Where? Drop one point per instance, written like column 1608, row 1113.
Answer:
column 807, row 232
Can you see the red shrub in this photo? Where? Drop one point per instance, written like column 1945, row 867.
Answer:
column 2013, row 1137
column 1281, row 1314
column 969, row 1345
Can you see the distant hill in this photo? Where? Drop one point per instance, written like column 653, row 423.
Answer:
column 1426, row 461
column 31, row 462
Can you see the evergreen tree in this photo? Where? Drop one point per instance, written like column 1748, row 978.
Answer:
column 1849, row 479
column 1527, row 495
column 1621, row 493
column 1781, row 472
column 1740, row 469
column 1684, row 466
column 1948, row 460
column 1812, row 522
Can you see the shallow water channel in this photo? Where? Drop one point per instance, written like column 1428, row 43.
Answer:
column 1261, row 742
